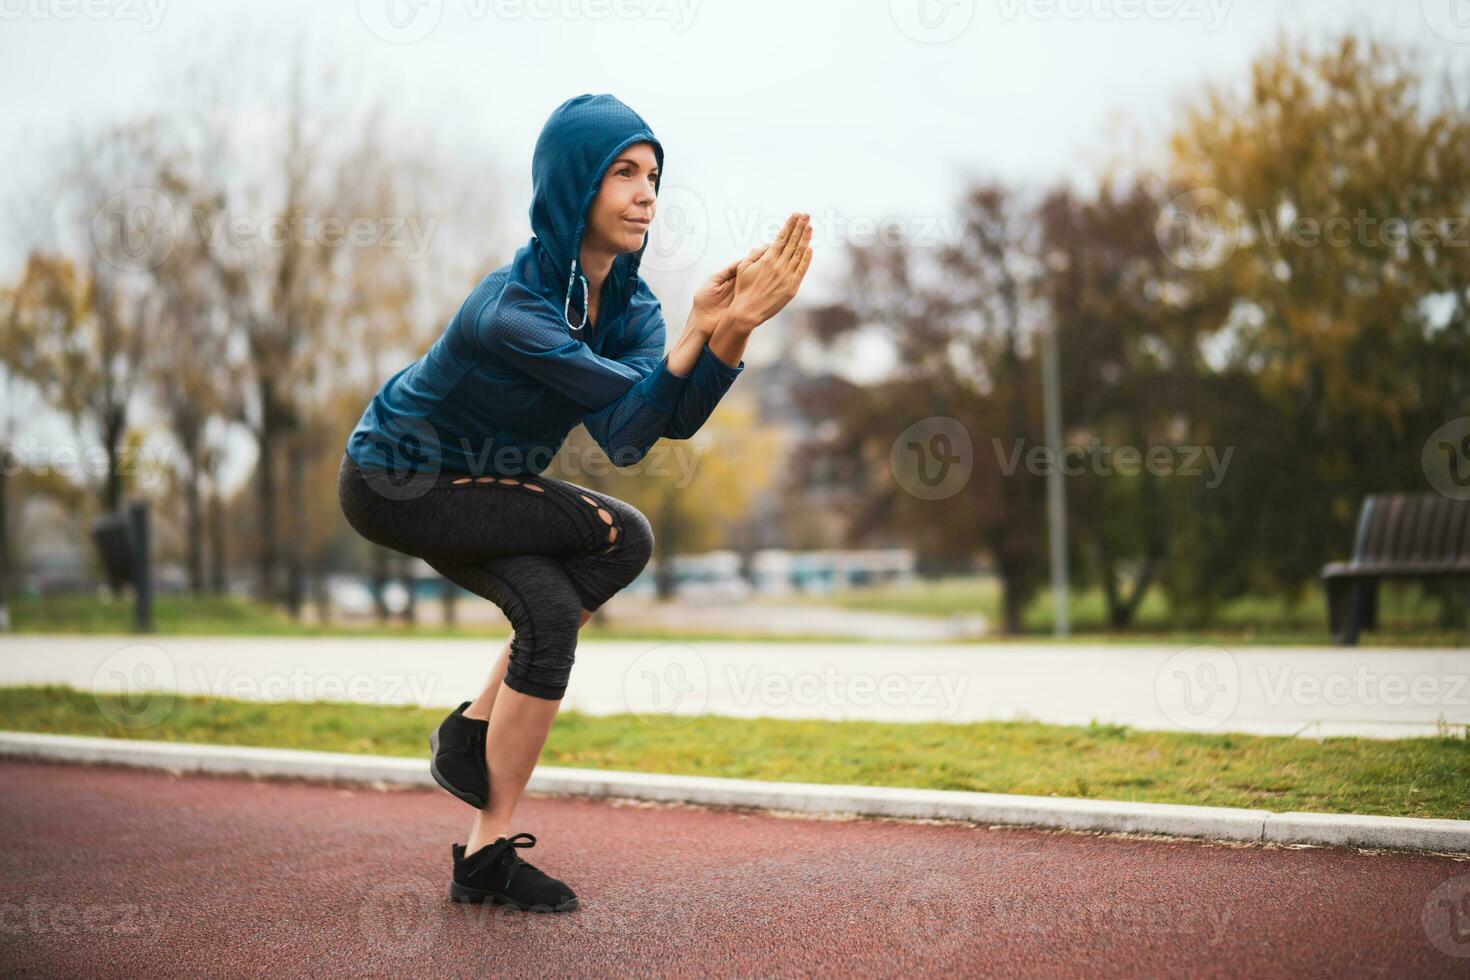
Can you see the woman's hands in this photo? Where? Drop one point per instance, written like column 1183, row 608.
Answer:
column 767, row 279
column 713, row 298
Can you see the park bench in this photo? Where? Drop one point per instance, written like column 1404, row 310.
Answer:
column 1400, row 535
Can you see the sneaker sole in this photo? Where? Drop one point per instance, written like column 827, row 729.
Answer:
column 463, row 893
column 471, row 798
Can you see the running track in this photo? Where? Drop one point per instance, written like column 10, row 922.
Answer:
column 118, row 872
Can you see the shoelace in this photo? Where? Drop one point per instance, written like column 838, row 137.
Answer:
column 510, row 844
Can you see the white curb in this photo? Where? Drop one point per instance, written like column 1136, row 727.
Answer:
column 1060, row 813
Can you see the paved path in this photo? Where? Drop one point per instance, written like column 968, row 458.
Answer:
column 114, row 872
column 1303, row 690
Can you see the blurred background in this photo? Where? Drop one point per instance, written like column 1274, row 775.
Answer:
column 1118, row 314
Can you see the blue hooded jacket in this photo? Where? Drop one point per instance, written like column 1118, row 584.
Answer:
column 514, row 370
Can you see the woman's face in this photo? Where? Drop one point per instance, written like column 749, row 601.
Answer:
column 623, row 209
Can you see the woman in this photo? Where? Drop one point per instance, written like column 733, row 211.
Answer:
column 445, row 463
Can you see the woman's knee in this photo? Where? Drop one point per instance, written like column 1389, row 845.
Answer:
column 636, row 536
column 544, row 646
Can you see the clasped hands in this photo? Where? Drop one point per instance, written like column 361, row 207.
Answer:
column 749, row 291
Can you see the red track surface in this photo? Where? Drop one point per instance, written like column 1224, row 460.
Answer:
column 127, row 873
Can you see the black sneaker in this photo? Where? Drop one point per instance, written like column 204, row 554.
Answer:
column 497, row 874
column 457, row 761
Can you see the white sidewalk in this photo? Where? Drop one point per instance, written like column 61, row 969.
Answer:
column 1308, row 691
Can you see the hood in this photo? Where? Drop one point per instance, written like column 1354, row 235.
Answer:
column 579, row 142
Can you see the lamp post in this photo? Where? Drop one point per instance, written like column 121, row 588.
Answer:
column 1056, row 506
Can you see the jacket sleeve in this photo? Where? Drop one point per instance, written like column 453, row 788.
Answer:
column 526, row 337
column 708, row 382
column 704, row 387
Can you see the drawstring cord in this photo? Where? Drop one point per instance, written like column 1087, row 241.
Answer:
column 567, row 307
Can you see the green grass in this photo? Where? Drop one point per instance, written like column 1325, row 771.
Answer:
column 235, row 616
column 1424, row 777
column 1406, row 615
column 1408, row 618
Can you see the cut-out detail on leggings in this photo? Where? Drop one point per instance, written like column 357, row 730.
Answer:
column 606, row 517
column 612, row 534
column 464, row 479
column 510, row 481
column 486, row 479
column 588, row 499
column 535, row 486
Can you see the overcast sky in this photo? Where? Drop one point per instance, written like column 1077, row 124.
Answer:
column 850, row 109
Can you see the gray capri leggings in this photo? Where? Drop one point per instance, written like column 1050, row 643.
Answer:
column 540, row 548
